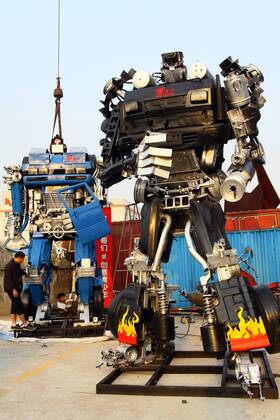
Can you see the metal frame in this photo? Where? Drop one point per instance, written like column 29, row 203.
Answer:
column 62, row 328
column 228, row 387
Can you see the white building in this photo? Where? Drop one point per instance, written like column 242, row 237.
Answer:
column 119, row 209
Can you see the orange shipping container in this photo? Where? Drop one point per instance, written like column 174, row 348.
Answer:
column 253, row 220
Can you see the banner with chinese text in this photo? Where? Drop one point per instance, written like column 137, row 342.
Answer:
column 104, row 260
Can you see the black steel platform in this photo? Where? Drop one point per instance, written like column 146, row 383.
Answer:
column 228, row 385
column 62, row 328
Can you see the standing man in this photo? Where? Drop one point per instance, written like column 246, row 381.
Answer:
column 13, row 287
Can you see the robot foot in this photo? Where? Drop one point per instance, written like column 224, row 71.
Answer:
column 124, row 355
column 248, row 374
column 129, row 355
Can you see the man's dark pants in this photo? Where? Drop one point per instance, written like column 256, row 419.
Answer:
column 16, row 304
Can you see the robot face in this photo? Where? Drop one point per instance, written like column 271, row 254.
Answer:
column 57, row 146
column 172, row 60
column 173, row 69
column 57, row 149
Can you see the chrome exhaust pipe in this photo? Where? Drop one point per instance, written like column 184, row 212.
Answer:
column 162, row 241
column 192, row 249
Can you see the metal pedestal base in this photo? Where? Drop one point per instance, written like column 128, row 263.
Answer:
column 228, row 387
column 63, row 328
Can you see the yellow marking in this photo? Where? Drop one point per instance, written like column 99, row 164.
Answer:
column 246, row 329
column 126, row 326
column 39, row 369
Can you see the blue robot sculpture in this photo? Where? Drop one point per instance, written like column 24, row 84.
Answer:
column 53, row 195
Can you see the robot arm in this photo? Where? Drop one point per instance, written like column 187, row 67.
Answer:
column 244, row 99
column 119, row 149
column 18, row 221
column 116, row 164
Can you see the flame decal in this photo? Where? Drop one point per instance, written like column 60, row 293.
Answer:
column 126, row 329
column 248, row 335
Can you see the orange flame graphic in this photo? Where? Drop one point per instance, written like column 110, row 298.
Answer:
column 248, row 335
column 126, row 329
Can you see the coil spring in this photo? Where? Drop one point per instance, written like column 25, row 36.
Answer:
column 10, row 222
column 162, row 300
column 208, row 304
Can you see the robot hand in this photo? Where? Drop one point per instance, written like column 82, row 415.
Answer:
column 242, row 170
column 244, row 99
column 234, row 186
column 13, row 174
column 15, row 241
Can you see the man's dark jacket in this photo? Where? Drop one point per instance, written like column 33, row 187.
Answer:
column 13, row 277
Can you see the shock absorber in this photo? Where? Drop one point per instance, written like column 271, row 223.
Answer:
column 164, row 329
column 209, row 312
column 162, row 299
column 212, row 333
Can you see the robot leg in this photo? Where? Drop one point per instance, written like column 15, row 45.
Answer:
column 88, row 281
column 39, row 275
column 139, row 315
column 231, row 305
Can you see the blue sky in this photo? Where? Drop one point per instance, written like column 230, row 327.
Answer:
column 99, row 40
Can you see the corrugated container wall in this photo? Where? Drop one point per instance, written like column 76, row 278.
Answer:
column 125, row 236
column 184, row 271
column 253, row 220
column 259, row 229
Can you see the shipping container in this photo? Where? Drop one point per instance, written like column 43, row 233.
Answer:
column 253, row 220
column 259, row 230
column 125, row 236
column 184, row 271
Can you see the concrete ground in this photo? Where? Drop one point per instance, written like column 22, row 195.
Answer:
column 44, row 380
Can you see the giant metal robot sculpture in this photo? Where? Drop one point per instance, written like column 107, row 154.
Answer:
column 52, row 195
column 169, row 130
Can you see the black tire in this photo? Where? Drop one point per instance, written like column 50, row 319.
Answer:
column 98, row 301
column 150, row 222
column 269, row 312
column 113, row 314
column 126, row 297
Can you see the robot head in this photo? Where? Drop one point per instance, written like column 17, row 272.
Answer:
column 173, row 69
column 57, row 146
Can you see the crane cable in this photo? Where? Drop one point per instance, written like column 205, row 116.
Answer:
column 58, row 93
column 58, row 38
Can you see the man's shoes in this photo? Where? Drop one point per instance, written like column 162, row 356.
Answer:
column 28, row 327
column 21, row 327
